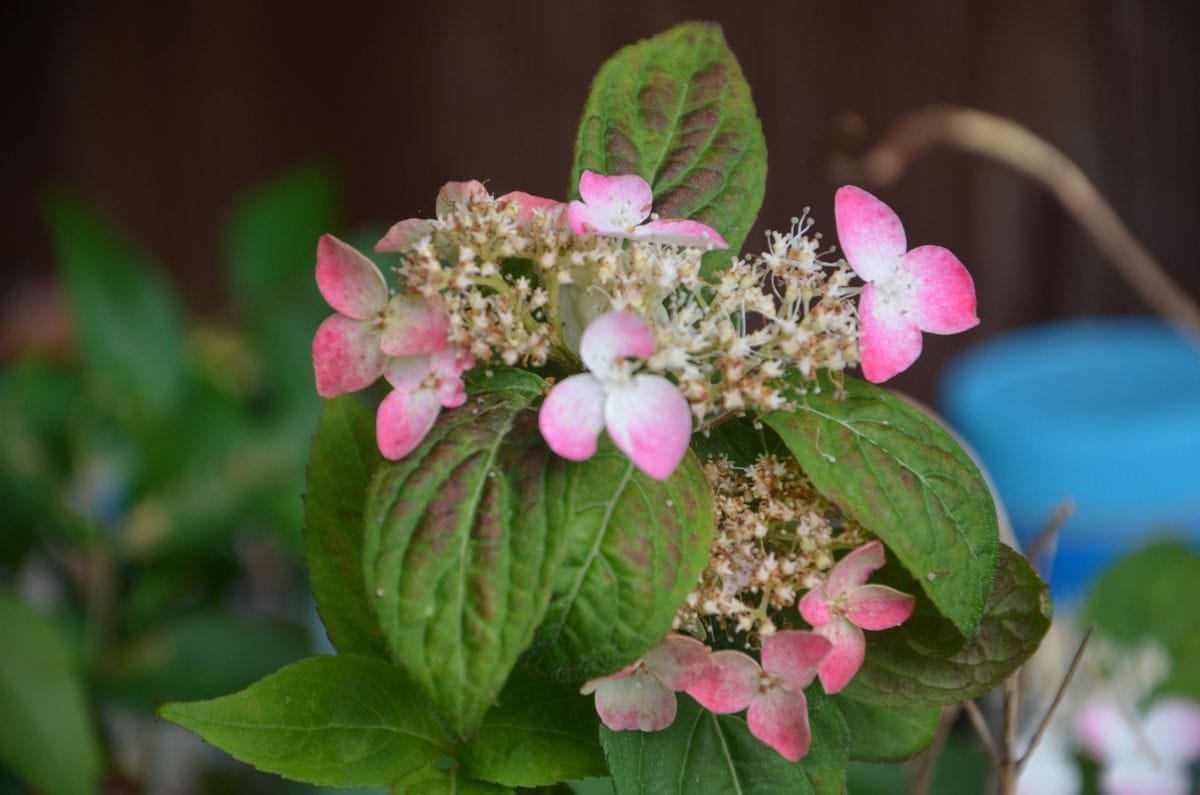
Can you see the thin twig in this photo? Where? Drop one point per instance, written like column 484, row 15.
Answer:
column 985, row 736
column 1006, row 771
column 1058, row 697
column 924, row 767
column 1061, row 514
column 1013, row 145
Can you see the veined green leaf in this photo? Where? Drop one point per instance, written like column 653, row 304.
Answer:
column 887, row 734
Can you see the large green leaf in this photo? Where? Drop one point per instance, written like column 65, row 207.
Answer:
column 459, row 557
column 541, row 732
column 448, row 781
column 635, row 547
column 344, row 458
column 900, row 475
column 902, row 670
column 676, row 110
column 887, row 734
column 705, row 753
column 127, row 322
column 344, row 721
column 46, row 736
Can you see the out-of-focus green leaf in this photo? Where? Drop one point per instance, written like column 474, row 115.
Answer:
column 46, row 736
column 127, row 322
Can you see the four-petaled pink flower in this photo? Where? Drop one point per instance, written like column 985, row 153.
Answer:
column 642, row 695
column 402, row 338
column 616, row 207
column 1150, row 759
column 774, row 692
column 646, row 415
column 843, row 606
column 926, row 289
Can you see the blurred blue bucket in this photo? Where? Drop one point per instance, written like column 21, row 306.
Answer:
column 1105, row 412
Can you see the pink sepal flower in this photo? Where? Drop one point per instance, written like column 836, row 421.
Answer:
column 646, row 415
column 642, row 695
column 1150, row 759
column 421, row 387
column 527, row 204
column 844, row 605
column 351, row 348
column 926, row 289
column 777, row 710
column 617, row 206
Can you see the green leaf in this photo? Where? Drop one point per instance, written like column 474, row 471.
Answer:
column 1137, row 601
column 452, row 781
column 900, row 475
column 479, row 380
column 459, row 557
column 345, row 721
column 676, row 110
column 635, row 547
column 887, row 734
column 901, row 671
column 344, row 458
column 127, row 321
column 740, row 439
column 705, row 753
column 46, row 736
column 540, row 733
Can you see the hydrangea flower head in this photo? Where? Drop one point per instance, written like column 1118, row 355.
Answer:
column 774, row 692
column 646, row 416
column 907, row 292
column 617, row 206
column 844, row 605
column 642, row 695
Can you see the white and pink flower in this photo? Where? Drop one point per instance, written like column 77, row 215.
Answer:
column 772, row 694
column 926, row 289
column 642, row 695
column 647, row 417
column 1146, row 754
column 844, row 605
column 618, row 206
column 403, row 338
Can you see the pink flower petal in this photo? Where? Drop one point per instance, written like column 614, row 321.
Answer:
column 793, row 656
column 448, row 366
column 590, row 685
column 453, row 194
column 677, row 660
column 871, row 235
column 527, row 204
column 624, row 199
column 572, row 417
column 637, row 702
column 404, row 235
column 346, row 356
column 649, row 420
column 814, row 608
column 890, row 340
column 414, row 325
column 846, row 656
column 780, row 719
column 680, row 233
column 408, row 373
column 349, row 281
column 878, row 607
column 853, row 570
column 403, row 420
column 1173, row 729
column 1104, row 729
column 614, row 336
column 943, row 293
column 727, row 683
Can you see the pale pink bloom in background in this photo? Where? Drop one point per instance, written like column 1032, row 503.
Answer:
column 646, row 415
column 351, row 347
column 617, row 206
column 843, row 606
column 1144, row 754
column 642, row 695
column 926, row 289
column 774, row 692
column 456, row 193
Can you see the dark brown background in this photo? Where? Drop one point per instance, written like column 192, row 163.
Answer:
column 161, row 113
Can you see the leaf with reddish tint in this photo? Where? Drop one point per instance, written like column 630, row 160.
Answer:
column 459, row 556
column 676, row 110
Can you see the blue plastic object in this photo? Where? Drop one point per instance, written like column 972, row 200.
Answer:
column 1105, row 412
